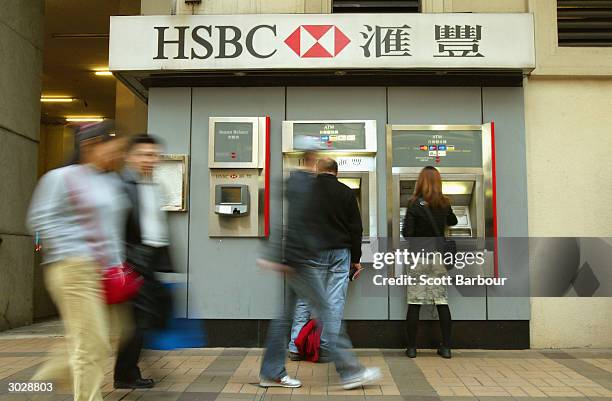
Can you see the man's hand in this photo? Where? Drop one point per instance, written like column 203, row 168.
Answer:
column 274, row 266
column 355, row 271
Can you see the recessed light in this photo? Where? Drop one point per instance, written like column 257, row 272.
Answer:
column 57, row 99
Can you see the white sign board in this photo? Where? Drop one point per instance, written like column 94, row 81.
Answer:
column 336, row 41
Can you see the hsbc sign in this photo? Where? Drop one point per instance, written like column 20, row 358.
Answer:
column 298, row 41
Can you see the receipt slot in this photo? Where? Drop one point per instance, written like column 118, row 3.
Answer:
column 237, row 159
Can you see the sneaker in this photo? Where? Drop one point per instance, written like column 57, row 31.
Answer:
column 367, row 376
column 284, row 381
column 294, row 356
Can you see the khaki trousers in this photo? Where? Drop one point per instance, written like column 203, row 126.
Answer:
column 75, row 286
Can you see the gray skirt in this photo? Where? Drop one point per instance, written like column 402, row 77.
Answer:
column 423, row 294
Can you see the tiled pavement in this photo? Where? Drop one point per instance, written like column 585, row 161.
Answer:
column 215, row 374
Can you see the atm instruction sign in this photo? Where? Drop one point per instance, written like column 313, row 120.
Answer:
column 304, row 41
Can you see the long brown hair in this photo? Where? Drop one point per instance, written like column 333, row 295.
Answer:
column 429, row 188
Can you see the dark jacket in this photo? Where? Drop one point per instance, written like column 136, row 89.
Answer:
column 153, row 304
column 301, row 243
column 418, row 224
column 337, row 215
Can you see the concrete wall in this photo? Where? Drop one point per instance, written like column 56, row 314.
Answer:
column 569, row 174
column 130, row 112
column 21, row 42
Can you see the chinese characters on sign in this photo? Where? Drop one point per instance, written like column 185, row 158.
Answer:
column 458, row 40
column 388, row 40
column 452, row 40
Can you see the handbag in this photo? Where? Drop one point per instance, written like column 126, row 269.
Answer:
column 447, row 245
column 120, row 283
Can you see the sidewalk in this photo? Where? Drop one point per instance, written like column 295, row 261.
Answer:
column 224, row 374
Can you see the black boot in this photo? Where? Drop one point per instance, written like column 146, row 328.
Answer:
column 444, row 352
column 411, row 352
column 134, row 384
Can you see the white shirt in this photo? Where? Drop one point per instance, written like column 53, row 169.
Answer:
column 153, row 223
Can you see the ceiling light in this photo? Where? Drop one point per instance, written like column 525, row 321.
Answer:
column 57, row 99
column 84, row 119
column 103, row 73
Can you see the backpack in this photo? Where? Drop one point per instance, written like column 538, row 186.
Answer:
column 309, row 341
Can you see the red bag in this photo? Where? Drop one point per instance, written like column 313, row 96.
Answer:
column 309, row 341
column 121, row 283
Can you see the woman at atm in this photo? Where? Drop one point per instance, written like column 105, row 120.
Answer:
column 427, row 216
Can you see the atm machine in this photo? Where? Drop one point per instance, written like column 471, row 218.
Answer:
column 237, row 160
column 352, row 143
column 464, row 156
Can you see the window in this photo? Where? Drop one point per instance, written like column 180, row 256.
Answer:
column 376, row 6
column 584, row 23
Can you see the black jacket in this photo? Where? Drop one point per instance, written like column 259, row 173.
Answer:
column 337, row 217
column 418, row 224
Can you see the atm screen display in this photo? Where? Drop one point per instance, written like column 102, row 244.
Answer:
column 231, row 195
column 233, row 142
column 437, row 148
column 329, row 136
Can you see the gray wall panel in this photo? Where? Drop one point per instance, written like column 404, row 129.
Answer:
column 223, row 279
column 170, row 119
column 424, row 105
column 335, row 103
column 505, row 107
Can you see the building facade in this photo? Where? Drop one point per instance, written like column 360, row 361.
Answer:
column 551, row 140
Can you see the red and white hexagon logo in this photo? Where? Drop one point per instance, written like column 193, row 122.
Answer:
column 317, row 41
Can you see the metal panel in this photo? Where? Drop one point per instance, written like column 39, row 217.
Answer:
column 326, row 103
column 505, row 107
column 170, row 119
column 224, row 280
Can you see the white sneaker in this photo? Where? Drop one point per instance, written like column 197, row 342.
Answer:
column 367, row 376
column 286, row 381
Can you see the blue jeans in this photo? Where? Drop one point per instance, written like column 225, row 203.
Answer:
column 334, row 273
column 305, row 282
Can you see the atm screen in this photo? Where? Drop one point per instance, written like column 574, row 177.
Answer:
column 230, row 195
column 352, row 183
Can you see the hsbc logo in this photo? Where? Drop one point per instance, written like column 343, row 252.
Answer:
column 317, row 41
